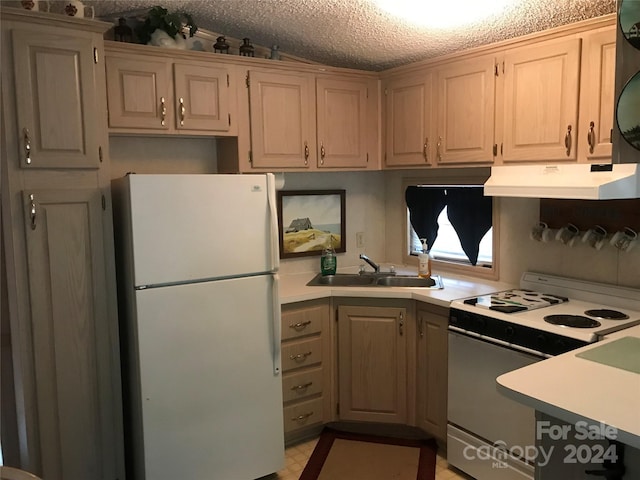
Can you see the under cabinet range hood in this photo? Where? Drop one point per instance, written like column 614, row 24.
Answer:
column 571, row 181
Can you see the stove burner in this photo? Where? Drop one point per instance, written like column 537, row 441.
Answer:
column 575, row 321
column 607, row 314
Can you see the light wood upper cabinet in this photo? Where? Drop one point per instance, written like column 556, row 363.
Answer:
column 597, row 94
column 302, row 122
column 432, row 342
column 409, row 121
column 372, row 352
column 541, row 88
column 465, row 93
column 139, row 93
column 281, row 109
column 56, row 94
column 342, row 117
column 202, row 97
column 155, row 94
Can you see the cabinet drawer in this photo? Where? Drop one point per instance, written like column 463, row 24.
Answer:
column 296, row 386
column 303, row 415
column 301, row 322
column 301, row 354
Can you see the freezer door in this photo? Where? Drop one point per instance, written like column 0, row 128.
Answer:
column 192, row 227
column 210, row 402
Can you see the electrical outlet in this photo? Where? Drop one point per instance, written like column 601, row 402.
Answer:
column 359, row 239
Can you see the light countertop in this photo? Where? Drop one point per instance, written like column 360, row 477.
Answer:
column 574, row 389
column 293, row 288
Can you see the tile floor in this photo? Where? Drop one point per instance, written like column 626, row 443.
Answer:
column 296, row 458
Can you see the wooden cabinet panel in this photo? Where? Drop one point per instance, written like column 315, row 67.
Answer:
column 466, row 111
column 302, row 320
column 301, row 385
column 372, row 349
column 409, row 125
column 431, row 411
column 597, row 93
column 69, row 323
column 342, row 123
column 201, row 97
column 56, row 97
column 541, row 88
column 307, row 364
column 282, row 125
column 303, row 415
column 139, row 93
column 301, row 354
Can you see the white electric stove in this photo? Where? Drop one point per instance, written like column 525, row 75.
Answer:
column 581, row 310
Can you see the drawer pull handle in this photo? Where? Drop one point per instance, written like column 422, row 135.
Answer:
column 163, row 111
column 182, row 111
column 302, row 417
column 567, row 140
column 425, row 149
column 300, row 325
column 27, row 145
column 301, row 357
column 591, row 137
column 301, row 387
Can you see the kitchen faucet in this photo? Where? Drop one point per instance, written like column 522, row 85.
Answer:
column 375, row 266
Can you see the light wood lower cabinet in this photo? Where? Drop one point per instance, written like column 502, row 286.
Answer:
column 306, row 367
column 372, row 352
column 431, row 399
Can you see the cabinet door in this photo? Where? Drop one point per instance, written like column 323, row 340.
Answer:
column 201, row 97
column 139, row 93
column 541, row 86
column 342, row 122
column 282, row 126
column 466, row 112
column 409, row 125
column 56, row 99
column 71, row 331
column 597, row 95
column 432, row 370
column 372, row 352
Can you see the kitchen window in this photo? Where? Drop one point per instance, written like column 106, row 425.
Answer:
column 458, row 221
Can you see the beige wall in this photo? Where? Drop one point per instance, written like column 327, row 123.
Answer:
column 375, row 206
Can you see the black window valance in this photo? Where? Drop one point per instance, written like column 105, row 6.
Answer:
column 468, row 210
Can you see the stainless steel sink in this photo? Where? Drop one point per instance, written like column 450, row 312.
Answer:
column 375, row 280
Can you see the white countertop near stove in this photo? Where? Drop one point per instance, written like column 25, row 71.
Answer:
column 573, row 389
column 293, row 288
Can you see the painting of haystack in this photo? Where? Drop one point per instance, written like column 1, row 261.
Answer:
column 310, row 221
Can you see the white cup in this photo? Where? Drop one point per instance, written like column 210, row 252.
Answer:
column 35, row 5
column 541, row 232
column 595, row 237
column 625, row 239
column 568, row 234
column 75, row 8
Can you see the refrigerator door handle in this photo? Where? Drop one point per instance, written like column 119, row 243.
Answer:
column 277, row 325
column 271, row 197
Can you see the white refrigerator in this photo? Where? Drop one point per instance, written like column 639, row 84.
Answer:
column 200, row 322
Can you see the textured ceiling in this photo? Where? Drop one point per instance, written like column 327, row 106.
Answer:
column 356, row 33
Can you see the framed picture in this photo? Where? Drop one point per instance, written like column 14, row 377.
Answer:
column 308, row 220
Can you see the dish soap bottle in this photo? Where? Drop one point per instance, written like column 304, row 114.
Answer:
column 328, row 260
column 424, row 260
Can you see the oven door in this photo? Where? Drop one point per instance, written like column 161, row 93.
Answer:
column 478, row 415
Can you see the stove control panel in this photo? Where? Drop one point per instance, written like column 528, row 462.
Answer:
column 516, row 336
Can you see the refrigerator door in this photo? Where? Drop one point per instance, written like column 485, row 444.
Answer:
column 209, row 401
column 193, row 227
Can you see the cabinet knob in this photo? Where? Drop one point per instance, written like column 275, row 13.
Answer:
column 425, row 149
column 322, row 153
column 306, row 153
column 438, row 152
